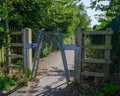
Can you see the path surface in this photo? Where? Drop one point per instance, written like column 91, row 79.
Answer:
column 51, row 79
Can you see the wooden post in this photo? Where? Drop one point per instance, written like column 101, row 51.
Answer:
column 27, row 34
column 77, row 66
column 107, row 52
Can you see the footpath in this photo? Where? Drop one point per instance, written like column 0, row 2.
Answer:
column 50, row 79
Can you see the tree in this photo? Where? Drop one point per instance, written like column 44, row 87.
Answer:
column 48, row 14
column 112, row 9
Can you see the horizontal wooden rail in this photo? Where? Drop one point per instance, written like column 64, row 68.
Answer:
column 16, row 66
column 97, row 32
column 16, row 44
column 95, row 61
column 15, row 56
column 16, row 33
column 97, row 74
column 97, row 47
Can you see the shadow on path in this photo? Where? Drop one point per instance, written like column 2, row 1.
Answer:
column 53, row 91
column 12, row 91
column 51, row 78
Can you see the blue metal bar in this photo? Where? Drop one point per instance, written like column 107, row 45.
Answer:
column 63, row 56
column 37, row 53
column 71, row 47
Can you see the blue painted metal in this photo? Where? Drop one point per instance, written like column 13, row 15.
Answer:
column 63, row 56
column 37, row 53
column 33, row 46
column 71, row 47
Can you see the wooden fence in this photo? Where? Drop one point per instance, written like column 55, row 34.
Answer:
column 17, row 53
column 80, row 55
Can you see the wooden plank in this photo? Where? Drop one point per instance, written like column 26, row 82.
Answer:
column 16, row 33
column 107, row 54
column 71, row 47
column 89, row 60
column 16, row 66
column 97, row 74
column 97, row 33
column 77, row 66
column 27, row 36
column 83, row 51
column 98, row 46
column 15, row 56
column 16, row 44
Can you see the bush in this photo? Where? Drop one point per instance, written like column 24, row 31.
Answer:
column 3, row 37
column 46, row 50
column 5, row 82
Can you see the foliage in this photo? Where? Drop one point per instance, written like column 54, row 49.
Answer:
column 109, row 88
column 70, row 88
column 19, row 63
column 28, row 73
column 111, row 10
column 100, row 94
column 3, row 36
column 46, row 50
column 68, row 38
column 5, row 8
column 88, row 91
column 5, row 82
column 48, row 14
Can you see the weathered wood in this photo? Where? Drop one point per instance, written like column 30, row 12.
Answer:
column 107, row 53
column 98, row 33
column 27, row 36
column 16, row 33
column 77, row 66
column 97, row 74
column 80, row 58
column 98, row 46
column 88, row 60
column 83, row 53
column 16, row 44
column 15, row 56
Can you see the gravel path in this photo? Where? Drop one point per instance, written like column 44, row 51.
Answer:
column 51, row 78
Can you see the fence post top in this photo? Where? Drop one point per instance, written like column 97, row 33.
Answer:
column 26, row 28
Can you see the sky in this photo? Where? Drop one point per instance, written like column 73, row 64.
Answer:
column 91, row 12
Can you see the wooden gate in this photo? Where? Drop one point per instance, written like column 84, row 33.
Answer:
column 81, row 58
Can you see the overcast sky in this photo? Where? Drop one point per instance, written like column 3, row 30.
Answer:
column 91, row 12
